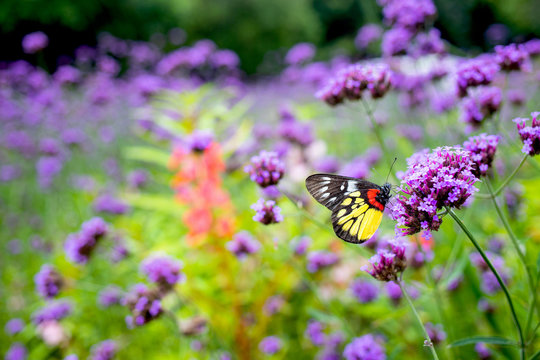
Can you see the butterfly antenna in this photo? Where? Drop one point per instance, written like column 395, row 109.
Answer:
column 390, row 171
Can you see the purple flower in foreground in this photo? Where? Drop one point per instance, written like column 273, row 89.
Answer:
column 315, row 332
column 475, row 72
column 34, row 42
column 364, row 348
column 483, row 351
column 162, row 270
column 17, row 351
column 364, row 291
column 300, row 53
column 56, row 310
column 530, row 135
column 267, row 212
column 144, row 304
column 386, row 265
column 14, row 326
column 270, row 345
column 105, row 350
column 318, row 260
column 512, row 57
column 266, row 168
column 436, row 333
column 441, row 178
column 243, row 244
column 111, row 295
column 48, row 282
column 482, row 148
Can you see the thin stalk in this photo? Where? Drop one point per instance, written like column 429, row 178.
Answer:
column 530, row 314
column 505, row 182
column 426, row 335
column 499, row 280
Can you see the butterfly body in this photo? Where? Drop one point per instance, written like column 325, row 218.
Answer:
column 357, row 205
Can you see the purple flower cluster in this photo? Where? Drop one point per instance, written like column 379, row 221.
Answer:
column 396, row 41
column 318, row 260
column 17, row 351
column 273, row 304
column 243, row 244
column 300, row 53
column 483, row 351
column 265, row 169
column 530, row 135
column 105, row 350
column 138, row 178
column 163, row 270
column 436, row 333
column 365, row 291
column 433, row 180
column 300, row 245
column 482, row 148
column 267, row 212
column 270, row 345
column 53, row 311
column 350, row 83
column 408, row 14
column 315, row 332
column 108, row 204
column 512, row 57
column 366, row 347
column 79, row 246
column 475, row 72
column 144, row 304
column 48, row 282
column 367, row 34
column 111, row 295
column 489, row 284
column 387, row 264
column 14, row 326
column 295, row 131
column 35, row 42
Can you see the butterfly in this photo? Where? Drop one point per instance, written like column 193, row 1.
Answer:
column 357, row 205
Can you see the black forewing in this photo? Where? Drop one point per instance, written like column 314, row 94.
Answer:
column 329, row 189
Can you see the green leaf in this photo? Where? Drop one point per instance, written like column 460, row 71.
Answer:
column 536, row 356
column 148, row 154
column 496, row 340
column 160, row 203
column 538, row 264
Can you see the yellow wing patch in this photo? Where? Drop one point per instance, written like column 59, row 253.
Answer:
column 372, row 220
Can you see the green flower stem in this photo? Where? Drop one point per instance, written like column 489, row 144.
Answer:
column 426, row 335
column 499, row 280
column 531, row 311
column 505, row 182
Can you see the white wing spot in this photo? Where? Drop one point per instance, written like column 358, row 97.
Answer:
column 323, row 189
column 351, row 185
column 325, row 182
column 331, row 200
column 325, row 195
column 342, row 187
column 325, row 178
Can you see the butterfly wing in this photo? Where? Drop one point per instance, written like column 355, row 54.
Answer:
column 356, row 214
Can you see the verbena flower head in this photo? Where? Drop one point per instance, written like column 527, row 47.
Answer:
column 243, row 244
column 532, row 47
column 429, row 43
column 144, row 304
column 108, row 204
column 367, row 34
column 56, row 310
column 105, row 350
column 512, row 57
column 482, row 148
column 17, row 351
column 295, row 131
column 433, row 180
column 386, row 265
column 482, row 351
column 35, row 42
column 436, row 333
column 352, row 81
column 489, row 283
column 396, row 41
column 267, row 212
column 315, row 332
column 364, row 348
column 111, row 295
column 409, row 14
column 481, row 105
column 200, row 140
column 48, row 282
column 364, row 291
column 530, row 135
column 138, row 178
column 300, row 53
column 79, row 246
column 163, row 270
column 318, row 260
column 273, row 304
column 270, row 345
column 475, row 72
column 14, row 326
column 266, row 169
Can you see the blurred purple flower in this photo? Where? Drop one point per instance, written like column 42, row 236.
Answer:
column 366, row 35
column 106, row 203
column 327, row 164
column 14, row 326
column 34, row 42
column 517, row 97
column 386, row 265
column 273, row 304
column 243, row 244
column 47, row 168
column 296, row 132
column 9, row 173
column 364, row 348
column 315, row 333
column 267, row 212
column 266, row 168
column 55, row 310
column 482, row 148
column 436, row 333
column 530, row 135
column 318, row 260
column 163, row 270
column 79, row 246
column 200, row 140
column 475, row 72
column 532, row 47
column 270, row 345
column 111, row 295
column 365, row 291
column 396, row 41
column 67, row 74
column 429, row 43
column 300, row 245
column 144, row 304
column 441, row 103
column 17, row 351
column 225, row 59
column 497, row 34
column 300, row 53
column 48, row 281
column 495, row 245
column 483, row 351
column 138, row 178
column 512, row 57
column 105, row 350
column 73, row 137
column 357, row 168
